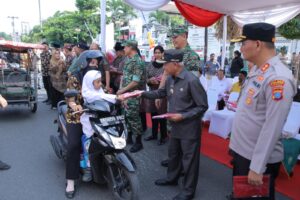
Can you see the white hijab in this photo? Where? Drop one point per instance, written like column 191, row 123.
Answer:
column 89, row 93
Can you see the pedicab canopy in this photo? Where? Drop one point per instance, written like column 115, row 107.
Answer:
column 21, row 47
column 206, row 12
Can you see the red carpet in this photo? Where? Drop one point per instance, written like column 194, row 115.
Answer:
column 216, row 148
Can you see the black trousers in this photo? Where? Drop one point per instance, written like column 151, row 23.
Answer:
column 46, row 82
column 184, row 153
column 74, row 150
column 56, row 97
column 163, row 127
column 241, row 168
column 221, row 104
column 143, row 120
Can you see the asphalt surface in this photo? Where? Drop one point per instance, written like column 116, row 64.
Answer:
column 37, row 173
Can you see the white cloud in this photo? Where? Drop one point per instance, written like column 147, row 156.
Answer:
column 28, row 11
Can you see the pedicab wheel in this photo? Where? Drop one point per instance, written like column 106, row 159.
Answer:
column 33, row 107
column 126, row 185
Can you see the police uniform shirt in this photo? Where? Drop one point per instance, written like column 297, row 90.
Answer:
column 263, row 106
column 185, row 96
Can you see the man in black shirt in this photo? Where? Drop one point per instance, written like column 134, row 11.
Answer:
column 187, row 102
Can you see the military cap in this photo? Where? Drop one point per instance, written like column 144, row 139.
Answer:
column 82, row 45
column 45, row 43
column 257, row 31
column 178, row 30
column 55, row 45
column 172, row 55
column 118, row 46
column 130, row 43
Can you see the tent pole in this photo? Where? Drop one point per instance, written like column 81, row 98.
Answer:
column 103, row 24
column 224, row 41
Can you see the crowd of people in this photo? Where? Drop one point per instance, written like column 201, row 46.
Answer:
column 177, row 84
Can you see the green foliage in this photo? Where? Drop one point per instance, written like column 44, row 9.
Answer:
column 91, row 5
column 69, row 27
column 291, row 29
column 119, row 14
column 5, row 36
column 164, row 19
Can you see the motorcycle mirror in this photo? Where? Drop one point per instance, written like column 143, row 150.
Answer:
column 71, row 93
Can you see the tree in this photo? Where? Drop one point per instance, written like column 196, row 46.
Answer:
column 5, row 36
column 160, row 17
column 233, row 31
column 291, row 29
column 119, row 13
column 83, row 5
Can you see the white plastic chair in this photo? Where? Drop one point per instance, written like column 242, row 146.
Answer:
column 292, row 124
column 212, row 98
column 221, row 120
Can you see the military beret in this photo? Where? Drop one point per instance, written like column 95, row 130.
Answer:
column 257, row 31
column 178, row 30
column 172, row 55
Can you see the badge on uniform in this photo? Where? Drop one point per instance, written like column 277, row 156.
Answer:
column 260, row 78
column 277, row 89
column 250, row 94
column 265, row 67
column 256, row 84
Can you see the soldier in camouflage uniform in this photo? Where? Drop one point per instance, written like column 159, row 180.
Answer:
column 133, row 79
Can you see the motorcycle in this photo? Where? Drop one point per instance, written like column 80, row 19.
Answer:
column 110, row 162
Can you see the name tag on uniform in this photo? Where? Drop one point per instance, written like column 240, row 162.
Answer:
column 256, row 84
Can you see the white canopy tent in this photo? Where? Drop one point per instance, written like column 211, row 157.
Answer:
column 275, row 12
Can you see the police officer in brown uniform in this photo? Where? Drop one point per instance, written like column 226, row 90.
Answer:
column 263, row 106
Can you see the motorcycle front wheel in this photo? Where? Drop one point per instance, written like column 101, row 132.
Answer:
column 123, row 184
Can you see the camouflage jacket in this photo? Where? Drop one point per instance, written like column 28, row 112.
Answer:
column 134, row 70
column 191, row 59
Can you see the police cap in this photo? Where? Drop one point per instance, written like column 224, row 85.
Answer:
column 257, row 31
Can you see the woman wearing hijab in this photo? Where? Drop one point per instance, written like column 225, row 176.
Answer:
column 57, row 71
column 74, row 127
column 91, row 91
column 154, row 72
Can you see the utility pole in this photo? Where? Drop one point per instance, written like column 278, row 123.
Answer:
column 13, row 25
column 103, row 24
column 40, row 15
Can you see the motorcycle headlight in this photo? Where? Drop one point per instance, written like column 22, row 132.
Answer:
column 119, row 142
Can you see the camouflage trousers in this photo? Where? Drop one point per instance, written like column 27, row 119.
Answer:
column 132, row 117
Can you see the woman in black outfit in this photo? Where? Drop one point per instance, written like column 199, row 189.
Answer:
column 154, row 72
column 74, row 127
column 237, row 64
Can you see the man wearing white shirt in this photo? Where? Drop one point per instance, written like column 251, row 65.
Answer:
column 223, row 86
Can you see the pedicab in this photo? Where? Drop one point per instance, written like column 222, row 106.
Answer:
column 18, row 73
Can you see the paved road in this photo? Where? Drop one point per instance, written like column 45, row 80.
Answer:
column 37, row 173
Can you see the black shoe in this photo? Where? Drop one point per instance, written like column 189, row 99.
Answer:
column 4, row 166
column 71, row 194
column 136, row 147
column 165, row 182
column 129, row 139
column 45, row 101
column 181, row 196
column 161, row 142
column 164, row 163
column 151, row 137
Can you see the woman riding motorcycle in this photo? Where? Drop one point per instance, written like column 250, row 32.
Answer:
column 74, row 126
